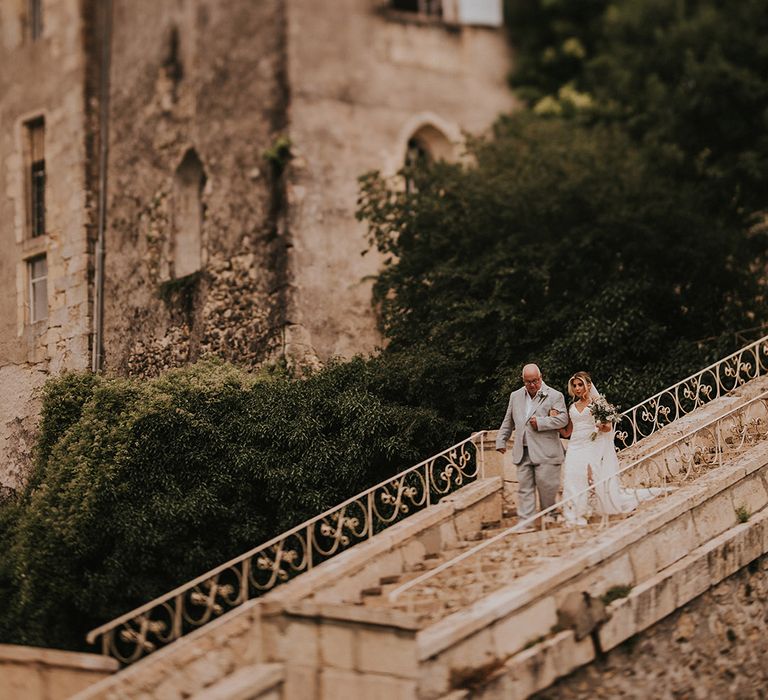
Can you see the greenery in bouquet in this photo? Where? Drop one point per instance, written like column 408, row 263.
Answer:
column 603, row 412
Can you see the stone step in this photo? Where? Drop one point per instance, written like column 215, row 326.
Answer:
column 495, row 566
column 424, row 564
column 388, row 583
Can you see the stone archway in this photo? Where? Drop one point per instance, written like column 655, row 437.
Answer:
column 429, row 144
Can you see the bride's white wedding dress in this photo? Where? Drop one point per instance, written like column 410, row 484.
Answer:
column 600, row 455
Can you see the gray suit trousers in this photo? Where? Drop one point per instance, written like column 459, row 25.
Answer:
column 532, row 477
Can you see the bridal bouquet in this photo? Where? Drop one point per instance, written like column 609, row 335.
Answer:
column 603, row 412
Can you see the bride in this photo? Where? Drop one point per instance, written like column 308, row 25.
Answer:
column 591, row 460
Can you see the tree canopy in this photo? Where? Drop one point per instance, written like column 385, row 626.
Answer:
column 618, row 225
column 565, row 244
column 687, row 79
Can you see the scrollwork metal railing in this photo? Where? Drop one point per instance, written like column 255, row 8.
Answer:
column 678, row 400
column 663, row 470
column 169, row 617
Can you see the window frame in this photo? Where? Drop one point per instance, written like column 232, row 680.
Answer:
column 425, row 9
column 35, row 178
column 34, row 283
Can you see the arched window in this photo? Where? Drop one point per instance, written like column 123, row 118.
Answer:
column 188, row 184
column 427, row 145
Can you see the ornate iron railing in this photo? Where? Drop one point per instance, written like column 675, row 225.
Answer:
column 141, row 631
column 683, row 460
column 720, row 378
column 169, row 617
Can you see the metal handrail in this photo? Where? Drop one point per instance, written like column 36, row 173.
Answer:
column 720, row 378
column 360, row 517
column 720, row 444
column 193, row 604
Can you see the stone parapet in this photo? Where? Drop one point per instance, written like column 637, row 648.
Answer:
column 32, row 673
column 258, row 682
column 339, row 651
column 195, row 662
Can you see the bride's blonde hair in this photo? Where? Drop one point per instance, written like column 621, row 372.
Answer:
column 585, row 377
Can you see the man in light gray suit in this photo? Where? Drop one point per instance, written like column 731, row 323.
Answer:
column 537, row 451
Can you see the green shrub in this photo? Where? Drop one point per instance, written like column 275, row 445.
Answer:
column 742, row 514
column 615, row 592
column 142, row 485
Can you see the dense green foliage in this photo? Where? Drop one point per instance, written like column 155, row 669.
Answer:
column 142, row 485
column 687, row 79
column 562, row 244
column 616, row 227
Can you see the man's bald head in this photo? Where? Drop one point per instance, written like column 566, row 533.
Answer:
column 532, row 378
column 531, row 371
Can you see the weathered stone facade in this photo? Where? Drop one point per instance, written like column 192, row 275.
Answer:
column 236, row 134
column 716, row 646
column 364, row 81
column 41, row 81
column 206, row 83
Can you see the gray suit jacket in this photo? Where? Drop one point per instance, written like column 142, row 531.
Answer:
column 544, row 446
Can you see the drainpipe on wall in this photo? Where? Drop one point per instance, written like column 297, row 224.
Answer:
column 98, row 294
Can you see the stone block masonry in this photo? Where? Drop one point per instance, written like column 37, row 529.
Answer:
column 31, row 673
column 716, row 646
column 42, row 83
column 211, row 247
column 193, row 255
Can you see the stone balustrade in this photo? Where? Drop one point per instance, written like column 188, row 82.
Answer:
column 32, row 673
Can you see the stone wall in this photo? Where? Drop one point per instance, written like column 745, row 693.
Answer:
column 203, row 83
column 31, row 673
column 282, row 273
column 41, row 78
column 217, row 241
column 715, row 646
column 364, row 80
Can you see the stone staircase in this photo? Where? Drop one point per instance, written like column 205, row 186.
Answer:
column 515, row 556
column 469, row 581
column 339, row 631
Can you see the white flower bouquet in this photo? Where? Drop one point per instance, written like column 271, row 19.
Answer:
column 603, row 412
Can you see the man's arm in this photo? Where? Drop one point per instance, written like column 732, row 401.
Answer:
column 554, row 422
column 507, row 426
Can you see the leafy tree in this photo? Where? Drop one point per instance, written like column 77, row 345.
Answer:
column 687, row 79
column 564, row 244
column 142, row 485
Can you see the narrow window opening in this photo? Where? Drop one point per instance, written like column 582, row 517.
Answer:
column 38, row 288
column 426, row 146
column 417, row 153
column 188, row 215
column 36, row 177
column 417, row 156
column 35, row 19
column 433, row 8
